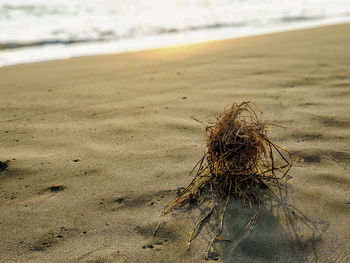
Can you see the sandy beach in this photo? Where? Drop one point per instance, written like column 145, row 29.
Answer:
column 98, row 145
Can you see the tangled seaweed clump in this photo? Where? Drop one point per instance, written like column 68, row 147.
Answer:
column 239, row 161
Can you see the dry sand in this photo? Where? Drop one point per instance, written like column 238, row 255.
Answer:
column 114, row 135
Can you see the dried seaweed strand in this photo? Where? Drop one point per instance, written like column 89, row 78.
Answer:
column 240, row 160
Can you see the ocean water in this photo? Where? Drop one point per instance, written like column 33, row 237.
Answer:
column 39, row 30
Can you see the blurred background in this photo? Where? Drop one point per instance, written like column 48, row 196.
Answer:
column 39, row 30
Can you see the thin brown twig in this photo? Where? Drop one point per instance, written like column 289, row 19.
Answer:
column 157, row 228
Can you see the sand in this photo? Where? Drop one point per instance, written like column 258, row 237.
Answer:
column 98, row 145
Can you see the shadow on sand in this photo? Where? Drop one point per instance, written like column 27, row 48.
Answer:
column 282, row 233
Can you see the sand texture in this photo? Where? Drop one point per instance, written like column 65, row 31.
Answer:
column 98, row 145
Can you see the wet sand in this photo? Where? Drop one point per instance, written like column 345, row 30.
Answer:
column 98, row 145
